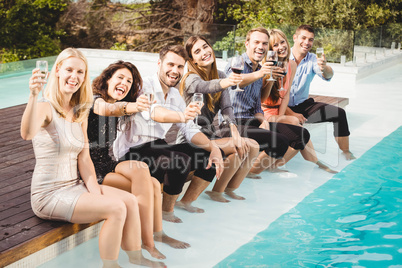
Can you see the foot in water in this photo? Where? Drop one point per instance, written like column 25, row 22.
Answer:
column 217, row 196
column 154, row 252
column 253, row 176
column 187, row 206
column 174, row 243
column 136, row 257
column 348, row 155
column 230, row 192
column 326, row 168
column 169, row 216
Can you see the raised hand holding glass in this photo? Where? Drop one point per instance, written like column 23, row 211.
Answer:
column 319, row 52
column 272, row 56
column 198, row 98
column 237, row 65
column 284, row 71
column 150, row 95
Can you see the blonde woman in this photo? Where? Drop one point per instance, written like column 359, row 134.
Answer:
column 58, row 129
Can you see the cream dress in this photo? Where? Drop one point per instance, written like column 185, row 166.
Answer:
column 56, row 186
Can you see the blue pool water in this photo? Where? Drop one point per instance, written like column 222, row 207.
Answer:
column 353, row 220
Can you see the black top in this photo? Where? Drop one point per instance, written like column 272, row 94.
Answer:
column 101, row 134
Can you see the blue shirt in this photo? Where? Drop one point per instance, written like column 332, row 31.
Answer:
column 248, row 102
column 305, row 72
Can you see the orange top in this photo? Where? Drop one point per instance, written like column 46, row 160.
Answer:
column 268, row 106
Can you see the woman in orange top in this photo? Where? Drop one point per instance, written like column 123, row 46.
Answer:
column 273, row 100
column 275, row 97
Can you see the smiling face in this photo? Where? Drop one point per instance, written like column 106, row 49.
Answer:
column 257, row 46
column 119, row 84
column 280, row 45
column 202, row 54
column 171, row 69
column 303, row 42
column 71, row 74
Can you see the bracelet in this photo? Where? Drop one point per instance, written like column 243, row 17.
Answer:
column 124, row 109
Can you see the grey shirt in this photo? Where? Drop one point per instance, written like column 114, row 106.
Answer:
column 195, row 84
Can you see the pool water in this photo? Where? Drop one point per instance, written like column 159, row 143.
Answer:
column 353, row 220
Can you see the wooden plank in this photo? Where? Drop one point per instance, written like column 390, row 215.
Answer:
column 38, row 240
column 14, row 202
column 12, row 210
column 337, row 101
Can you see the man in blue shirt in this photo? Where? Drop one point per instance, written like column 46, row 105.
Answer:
column 305, row 108
column 274, row 143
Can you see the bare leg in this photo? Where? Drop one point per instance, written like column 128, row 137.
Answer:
column 110, row 264
column 159, row 234
column 197, row 186
column 343, row 143
column 140, row 184
column 90, row 208
column 232, row 163
column 243, row 170
column 264, row 161
column 168, row 206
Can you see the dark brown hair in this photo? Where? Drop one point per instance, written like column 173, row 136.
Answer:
column 258, row 29
column 212, row 99
column 305, row 27
column 100, row 83
column 177, row 49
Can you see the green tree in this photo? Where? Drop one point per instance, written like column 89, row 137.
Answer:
column 28, row 27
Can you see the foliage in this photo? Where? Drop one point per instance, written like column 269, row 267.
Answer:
column 28, row 27
column 354, row 20
column 119, row 46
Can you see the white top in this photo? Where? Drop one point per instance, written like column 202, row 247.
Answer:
column 141, row 131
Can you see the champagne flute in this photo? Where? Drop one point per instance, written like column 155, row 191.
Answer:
column 237, row 65
column 319, row 52
column 43, row 67
column 272, row 56
column 150, row 95
column 282, row 65
column 198, row 98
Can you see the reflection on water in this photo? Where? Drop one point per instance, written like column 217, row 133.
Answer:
column 354, row 220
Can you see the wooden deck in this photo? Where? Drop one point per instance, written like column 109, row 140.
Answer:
column 337, row 101
column 21, row 232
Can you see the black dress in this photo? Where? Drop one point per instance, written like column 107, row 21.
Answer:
column 101, row 134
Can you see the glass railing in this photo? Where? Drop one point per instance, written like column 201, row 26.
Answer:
column 339, row 45
column 18, row 68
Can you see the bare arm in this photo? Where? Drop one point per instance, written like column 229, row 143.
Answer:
column 284, row 104
column 162, row 115
column 86, row 166
column 215, row 156
column 266, row 90
column 36, row 115
column 254, row 76
column 103, row 108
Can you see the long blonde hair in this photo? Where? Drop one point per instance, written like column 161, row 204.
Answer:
column 274, row 36
column 82, row 99
column 212, row 99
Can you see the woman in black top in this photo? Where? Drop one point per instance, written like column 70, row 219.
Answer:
column 115, row 95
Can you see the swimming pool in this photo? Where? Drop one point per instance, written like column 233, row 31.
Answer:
column 355, row 219
column 277, row 202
